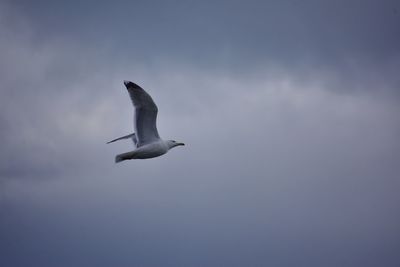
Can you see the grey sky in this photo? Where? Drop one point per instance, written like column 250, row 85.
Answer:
column 289, row 110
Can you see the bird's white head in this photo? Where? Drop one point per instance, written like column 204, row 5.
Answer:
column 172, row 143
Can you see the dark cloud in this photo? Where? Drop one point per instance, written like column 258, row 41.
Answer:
column 230, row 34
column 289, row 111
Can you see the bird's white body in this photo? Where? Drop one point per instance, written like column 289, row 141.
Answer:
column 146, row 139
column 151, row 150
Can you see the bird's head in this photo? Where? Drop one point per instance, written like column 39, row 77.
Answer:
column 173, row 143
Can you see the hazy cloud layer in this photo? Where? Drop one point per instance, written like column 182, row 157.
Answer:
column 289, row 111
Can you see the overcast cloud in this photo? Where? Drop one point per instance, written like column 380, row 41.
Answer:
column 289, row 111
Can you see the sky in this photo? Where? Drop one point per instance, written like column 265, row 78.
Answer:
column 288, row 109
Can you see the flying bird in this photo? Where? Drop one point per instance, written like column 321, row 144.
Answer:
column 146, row 139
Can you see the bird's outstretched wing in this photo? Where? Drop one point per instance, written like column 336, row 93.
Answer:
column 145, row 114
column 132, row 135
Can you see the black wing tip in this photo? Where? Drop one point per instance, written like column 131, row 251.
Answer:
column 130, row 84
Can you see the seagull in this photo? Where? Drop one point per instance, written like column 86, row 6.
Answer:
column 145, row 138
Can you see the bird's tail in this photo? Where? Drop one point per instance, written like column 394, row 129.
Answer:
column 125, row 156
column 118, row 158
